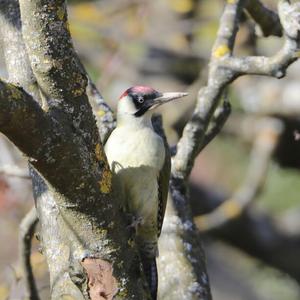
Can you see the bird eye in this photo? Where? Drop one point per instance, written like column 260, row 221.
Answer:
column 140, row 99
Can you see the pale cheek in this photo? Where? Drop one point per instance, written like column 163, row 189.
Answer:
column 125, row 105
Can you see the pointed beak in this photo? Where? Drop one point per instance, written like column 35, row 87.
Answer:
column 167, row 97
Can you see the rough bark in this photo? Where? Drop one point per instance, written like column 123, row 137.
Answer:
column 181, row 262
column 77, row 207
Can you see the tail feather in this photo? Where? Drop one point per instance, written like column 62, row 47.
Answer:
column 150, row 270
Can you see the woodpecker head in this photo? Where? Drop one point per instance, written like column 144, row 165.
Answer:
column 138, row 100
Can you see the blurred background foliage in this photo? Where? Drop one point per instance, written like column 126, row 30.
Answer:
column 166, row 44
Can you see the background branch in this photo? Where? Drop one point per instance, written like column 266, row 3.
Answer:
column 265, row 142
column 267, row 19
column 254, row 232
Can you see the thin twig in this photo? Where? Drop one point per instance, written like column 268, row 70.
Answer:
column 27, row 228
column 105, row 117
column 217, row 123
column 106, row 120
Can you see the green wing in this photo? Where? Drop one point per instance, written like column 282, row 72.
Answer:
column 163, row 187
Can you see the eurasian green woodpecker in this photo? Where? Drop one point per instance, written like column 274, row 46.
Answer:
column 141, row 165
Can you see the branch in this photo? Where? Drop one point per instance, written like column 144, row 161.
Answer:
column 181, row 261
column 19, row 70
column 217, row 123
column 267, row 66
column 190, row 143
column 267, row 19
column 17, row 59
column 105, row 117
column 274, row 66
column 61, row 79
column 63, row 82
column 74, row 132
column 269, row 131
column 13, row 48
column 224, row 68
column 27, row 228
column 179, row 246
column 50, row 49
column 21, row 119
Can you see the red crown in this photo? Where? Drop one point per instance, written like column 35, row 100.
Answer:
column 138, row 89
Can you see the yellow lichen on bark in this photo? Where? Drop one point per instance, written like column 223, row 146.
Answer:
column 221, row 51
column 100, row 113
column 105, row 182
column 99, row 152
column 106, row 178
column 61, row 13
column 79, row 78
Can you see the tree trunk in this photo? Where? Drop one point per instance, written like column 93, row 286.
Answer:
column 89, row 251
